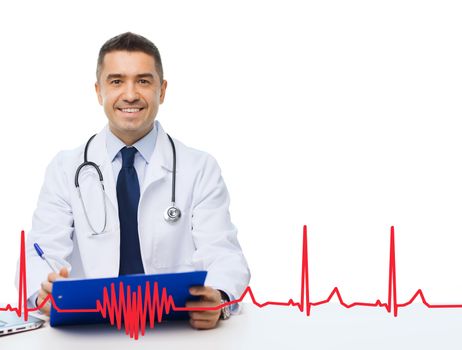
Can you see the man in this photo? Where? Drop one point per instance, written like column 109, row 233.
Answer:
column 122, row 230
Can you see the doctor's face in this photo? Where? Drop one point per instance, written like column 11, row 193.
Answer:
column 130, row 91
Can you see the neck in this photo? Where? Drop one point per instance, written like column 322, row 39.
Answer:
column 130, row 137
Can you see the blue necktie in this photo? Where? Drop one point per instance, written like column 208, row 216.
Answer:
column 128, row 196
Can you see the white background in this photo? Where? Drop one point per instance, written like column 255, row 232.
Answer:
column 341, row 115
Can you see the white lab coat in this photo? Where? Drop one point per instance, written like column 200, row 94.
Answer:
column 203, row 239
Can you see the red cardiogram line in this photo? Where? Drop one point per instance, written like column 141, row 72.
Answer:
column 133, row 310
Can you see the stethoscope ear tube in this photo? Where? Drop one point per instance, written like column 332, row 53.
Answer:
column 84, row 164
column 174, row 169
column 103, row 192
column 87, row 163
column 173, row 213
column 95, row 233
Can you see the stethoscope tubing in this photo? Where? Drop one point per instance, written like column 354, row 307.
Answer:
column 172, row 213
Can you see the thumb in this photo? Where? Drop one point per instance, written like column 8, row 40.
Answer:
column 64, row 272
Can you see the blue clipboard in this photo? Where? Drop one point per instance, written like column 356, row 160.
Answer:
column 83, row 294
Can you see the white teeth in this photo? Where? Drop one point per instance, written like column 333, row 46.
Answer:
column 130, row 110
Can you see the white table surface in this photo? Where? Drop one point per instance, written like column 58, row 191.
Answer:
column 329, row 327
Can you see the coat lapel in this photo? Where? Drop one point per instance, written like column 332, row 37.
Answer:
column 161, row 162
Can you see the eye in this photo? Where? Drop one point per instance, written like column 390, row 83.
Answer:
column 144, row 82
column 116, row 82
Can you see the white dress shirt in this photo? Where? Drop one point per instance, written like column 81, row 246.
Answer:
column 145, row 147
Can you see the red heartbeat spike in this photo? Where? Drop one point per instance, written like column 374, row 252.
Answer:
column 22, row 302
column 392, row 301
column 130, row 307
column 305, row 284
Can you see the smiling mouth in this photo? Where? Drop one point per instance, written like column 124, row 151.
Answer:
column 130, row 110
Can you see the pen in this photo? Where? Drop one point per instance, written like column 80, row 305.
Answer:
column 43, row 256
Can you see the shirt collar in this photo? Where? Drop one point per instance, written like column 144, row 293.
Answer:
column 145, row 145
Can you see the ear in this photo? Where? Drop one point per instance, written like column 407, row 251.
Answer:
column 163, row 88
column 98, row 93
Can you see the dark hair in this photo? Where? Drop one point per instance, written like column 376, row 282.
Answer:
column 130, row 42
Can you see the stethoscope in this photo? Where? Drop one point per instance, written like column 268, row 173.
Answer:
column 172, row 214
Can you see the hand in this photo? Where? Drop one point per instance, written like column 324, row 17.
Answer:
column 47, row 286
column 206, row 319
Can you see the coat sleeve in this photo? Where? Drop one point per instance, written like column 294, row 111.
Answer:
column 52, row 228
column 215, row 237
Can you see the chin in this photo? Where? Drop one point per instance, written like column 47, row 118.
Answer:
column 129, row 125
column 133, row 127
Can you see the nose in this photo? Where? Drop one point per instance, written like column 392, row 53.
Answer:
column 130, row 93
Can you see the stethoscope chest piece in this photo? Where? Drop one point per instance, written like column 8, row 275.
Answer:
column 172, row 214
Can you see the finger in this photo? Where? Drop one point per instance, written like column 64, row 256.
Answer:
column 53, row 276
column 64, row 272
column 39, row 301
column 47, row 286
column 201, row 290
column 204, row 315
column 46, row 307
column 207, row 292
column 41, row 296
column 200, row 304
column 200, row 324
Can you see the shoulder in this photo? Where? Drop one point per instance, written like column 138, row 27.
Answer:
column 189, row 157
column 194, row 158
column 68, row 158
column 72, row 158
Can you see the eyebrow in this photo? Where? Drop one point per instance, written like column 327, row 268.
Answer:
column 118, row 76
